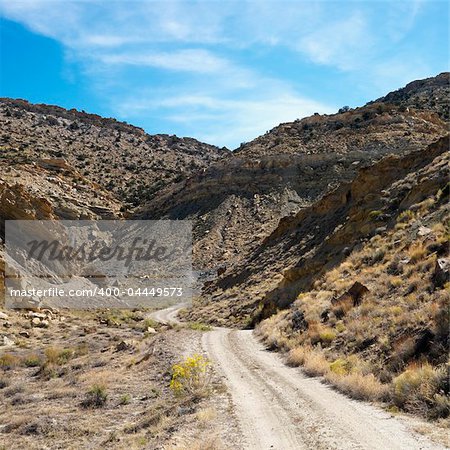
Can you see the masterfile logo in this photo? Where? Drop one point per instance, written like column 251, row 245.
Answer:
column 98, row 264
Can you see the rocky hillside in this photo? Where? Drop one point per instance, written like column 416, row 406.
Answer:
column 65, row 164
column 431, row 94
column 120, row 158
column 313, row 241
column 237, row 202
column 374, row 321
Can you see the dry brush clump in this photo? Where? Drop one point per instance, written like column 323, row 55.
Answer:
column 192, row 377
column 377, row 325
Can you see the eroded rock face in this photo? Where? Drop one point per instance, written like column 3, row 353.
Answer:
column 307, row 244
column 441, row 273
column 355, row 295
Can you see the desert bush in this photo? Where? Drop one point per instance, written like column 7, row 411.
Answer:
column 96, row 396
column 417, row 252
column 422, row 389
column 405, row 216
column 358, row 385
column 296, row 357
column 340, row 367
column 395, row 282
column 315, row 364
column 320, row 334
column 58, row 356
column 125, row 399
column 373, row 257
column 198, row 326
column 191, row 377
column 206, row 415
column 327, row 335
column 373, row 215
column 32, row 360
column 9, row 361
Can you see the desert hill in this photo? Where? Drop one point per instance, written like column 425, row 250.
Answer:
column 313, row 241
column 236, row 202
column 122, row 159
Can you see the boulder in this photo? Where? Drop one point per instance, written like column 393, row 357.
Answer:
column 124, row 345
column 35, row 322
column 5, row 341
column 54, row 164
column 423, row 231
column 441, row 272
column 299, row 322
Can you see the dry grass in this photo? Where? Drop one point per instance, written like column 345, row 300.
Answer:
column 315, row 364
column 366, row 350
column 423, row 389
column 417, row 252
column 206, row 415
column 359, row 386
column 296, row 357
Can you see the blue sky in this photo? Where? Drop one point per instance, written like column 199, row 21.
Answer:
column 221, row 71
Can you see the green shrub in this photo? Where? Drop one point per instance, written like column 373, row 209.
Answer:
column 422, row 389
column 327, row 336
column 405, row 216
column 373, row 215
column 340, row 366
column 198, row 326
column 96, row 396
column 32, row 360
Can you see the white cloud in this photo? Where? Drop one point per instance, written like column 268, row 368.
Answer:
column 225, row 121
column 189, row 60
column 338, row 44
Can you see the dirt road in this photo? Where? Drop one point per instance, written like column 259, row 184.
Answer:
column 280, row 408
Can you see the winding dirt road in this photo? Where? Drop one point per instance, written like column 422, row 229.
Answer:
column 280, row 408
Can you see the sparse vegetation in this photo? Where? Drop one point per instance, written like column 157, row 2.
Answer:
column 9, row 361
column 96, row 396
column 391, row 344
column 198, row 326
column 191, row 376
column 423, row 389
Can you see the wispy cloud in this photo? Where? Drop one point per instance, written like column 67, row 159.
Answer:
column 240, row 119
column 190, row 60
column 215, row 66
column 339, row 43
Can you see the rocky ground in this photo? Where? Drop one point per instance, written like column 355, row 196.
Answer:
column 81, row 380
